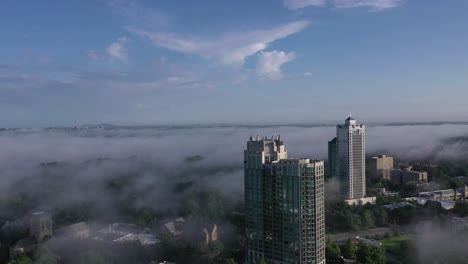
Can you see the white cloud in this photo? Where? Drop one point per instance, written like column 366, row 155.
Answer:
column 374, row 5
column 231, row 48
column 117, row 51
column 297, row 4
column 307, row 73
column 269, row 64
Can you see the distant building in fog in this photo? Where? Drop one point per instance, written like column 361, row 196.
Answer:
column 380, row 167
column 349, row 162
column 40, row 226
column 407, row 176
column 284, row 202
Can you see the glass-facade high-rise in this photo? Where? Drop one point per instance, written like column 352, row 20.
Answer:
column 284, row 200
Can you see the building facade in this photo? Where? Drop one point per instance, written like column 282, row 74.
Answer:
column 284, row 199
column 40, row 226
column 350, row 162
column 407, row 176
column 332, row 156
column 380, row 167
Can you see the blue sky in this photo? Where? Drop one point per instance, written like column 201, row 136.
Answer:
column 263, row 61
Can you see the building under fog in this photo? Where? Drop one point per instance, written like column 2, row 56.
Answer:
column 40, row 228
column 380, row 167
column 347, row 154
column 284, row 200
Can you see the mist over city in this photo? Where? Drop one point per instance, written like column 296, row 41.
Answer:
column 234, row 132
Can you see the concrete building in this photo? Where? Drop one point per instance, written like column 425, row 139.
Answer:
column 350, row 162
column 380, row 167
column 362, row 201
column 407, row 176
column 447, row 194
column 40, row 226
column 284, row 199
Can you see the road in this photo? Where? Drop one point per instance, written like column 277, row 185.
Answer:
column 342, row 237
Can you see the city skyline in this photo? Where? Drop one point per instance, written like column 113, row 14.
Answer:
column 173, row 62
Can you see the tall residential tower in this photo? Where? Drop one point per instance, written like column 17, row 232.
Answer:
column 284, row 200
column 349, row 159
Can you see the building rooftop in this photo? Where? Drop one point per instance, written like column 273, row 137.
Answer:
column 39, row 213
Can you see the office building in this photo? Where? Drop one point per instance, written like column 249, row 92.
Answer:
column 407, row 176
column 380, row 167
column 284, row 200
column 350, row 162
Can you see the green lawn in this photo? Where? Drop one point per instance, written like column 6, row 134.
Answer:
column 393, row 244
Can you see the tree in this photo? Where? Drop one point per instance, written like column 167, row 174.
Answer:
column 262, row 261
column 230, row 261
column 44, row 255
column 332, row 252
column 21, row 259
column 367, row 219
column 349, row 251
column 461, row 209
column 367, row 254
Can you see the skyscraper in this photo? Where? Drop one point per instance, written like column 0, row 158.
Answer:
column 349, row 162
column 284, row 200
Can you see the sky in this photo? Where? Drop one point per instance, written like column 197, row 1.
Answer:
column 209, row 61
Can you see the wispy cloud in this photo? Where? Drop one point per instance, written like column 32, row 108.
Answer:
column 297, row 4
column 269, row 64
column 117, row 50
column 230, row 49
column 374, row 5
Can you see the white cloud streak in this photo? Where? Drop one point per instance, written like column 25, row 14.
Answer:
column 230, row 49
column 373, row 5
column 269, row 64
column 298, row 4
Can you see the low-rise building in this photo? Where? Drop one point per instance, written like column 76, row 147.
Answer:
column 362, row 201
column 407, row 176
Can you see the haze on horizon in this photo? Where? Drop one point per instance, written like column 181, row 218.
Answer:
column 281, row 61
